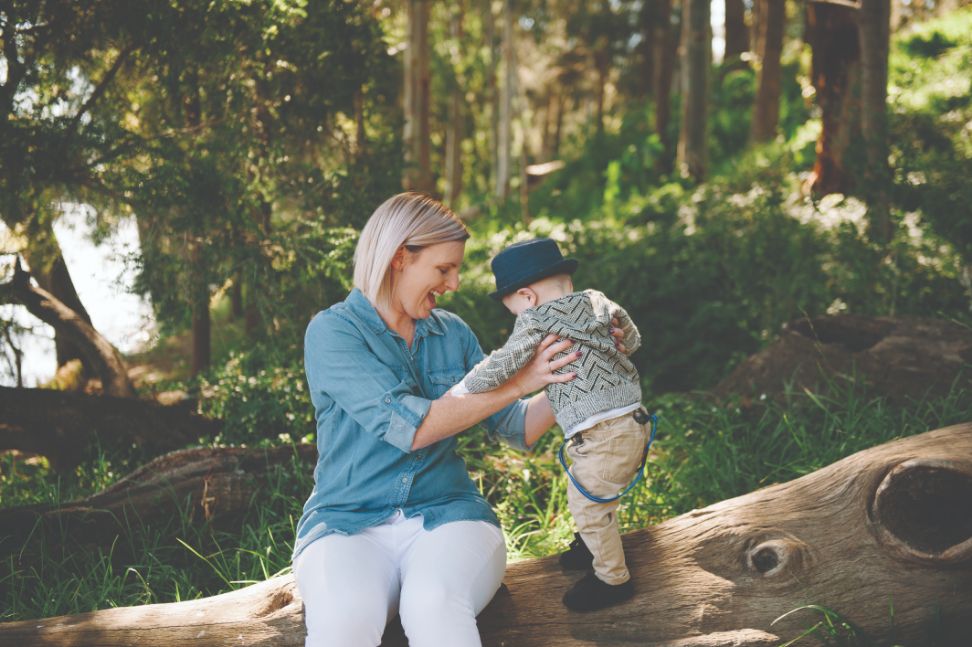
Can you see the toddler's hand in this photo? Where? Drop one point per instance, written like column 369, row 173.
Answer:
column 618, row 335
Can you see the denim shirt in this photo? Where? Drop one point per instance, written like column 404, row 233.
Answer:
column 370, row 393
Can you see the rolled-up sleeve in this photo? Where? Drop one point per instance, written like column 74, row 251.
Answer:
column 343, row 369
column 509, row 423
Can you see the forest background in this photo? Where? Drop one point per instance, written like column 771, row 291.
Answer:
column 796, row 159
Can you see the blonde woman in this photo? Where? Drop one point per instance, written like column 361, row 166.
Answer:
column 394, row 522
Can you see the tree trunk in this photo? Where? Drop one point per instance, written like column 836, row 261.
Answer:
column 661, row 82
column 504, row 146
column 54, row 277
column 492, row 93
column 236, row 296
column 831, row 30
column 59, row 283
column 891, row 523
column 757, row 31
column 558, row 126
column 62, row 425
column 644, row 52
column 454, row 134
column 201, row 322
column 696, row 52
column 602, row 63
column 418, row 174
column 875, row 25
column 766, row 110
column 549, row 119
column 254, row 323
column 737, row 36
column 198, row 274
column 212, row 485
column 103, row 358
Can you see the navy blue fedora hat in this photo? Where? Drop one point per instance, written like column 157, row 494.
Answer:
column 528, row 261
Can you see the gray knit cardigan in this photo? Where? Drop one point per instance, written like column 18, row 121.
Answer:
column 606, row 378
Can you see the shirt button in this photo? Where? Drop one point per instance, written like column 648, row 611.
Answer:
column 404, row 479
column 387, row 399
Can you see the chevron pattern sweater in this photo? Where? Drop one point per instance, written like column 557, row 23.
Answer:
column 606, row 378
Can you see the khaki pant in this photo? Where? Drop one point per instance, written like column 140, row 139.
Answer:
column 605, row 460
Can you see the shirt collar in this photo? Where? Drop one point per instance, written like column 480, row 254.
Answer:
column 365, row 310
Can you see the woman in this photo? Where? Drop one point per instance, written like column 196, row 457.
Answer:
column 394, row 522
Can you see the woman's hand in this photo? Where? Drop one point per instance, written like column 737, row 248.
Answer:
column 542, row 369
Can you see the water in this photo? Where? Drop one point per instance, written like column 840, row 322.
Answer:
column 103, row 276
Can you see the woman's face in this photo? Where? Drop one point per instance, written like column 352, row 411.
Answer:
column 422, row 276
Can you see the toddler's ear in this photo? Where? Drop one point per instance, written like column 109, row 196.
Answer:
column 529, row 295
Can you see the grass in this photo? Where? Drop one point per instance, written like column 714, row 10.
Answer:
column 705, row 452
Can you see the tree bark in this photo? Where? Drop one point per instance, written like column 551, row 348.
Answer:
column 737, row 36
column 664, row 64
column 201, row 322
column 454, row 134
column 492, row 91
column 198, row 274
column 875, row 26
column 831, row 30
column 418, row 174
column 504, row 145
column 696, row 52
column 56, row 279
column 62, row 425
column 103, row 358
column 888, row 523
column 644, row 51
column 212, row 485
column 766, row 110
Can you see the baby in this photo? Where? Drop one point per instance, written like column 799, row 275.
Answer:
column 599, row 410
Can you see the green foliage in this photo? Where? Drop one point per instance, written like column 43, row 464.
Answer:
column 711, row 274
column 734, row 91
column 928, row 44
column 51, row 578
column 931, row 143
column 259, row 400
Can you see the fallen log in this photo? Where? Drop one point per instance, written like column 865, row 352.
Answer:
column 897, row 357
column 891, row 525
column 62, row 425
column 213, row 485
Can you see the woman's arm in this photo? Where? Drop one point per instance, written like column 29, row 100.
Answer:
column 452, row 413
column 539, row 418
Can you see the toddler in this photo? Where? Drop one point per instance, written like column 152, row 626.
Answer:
column 599, row 410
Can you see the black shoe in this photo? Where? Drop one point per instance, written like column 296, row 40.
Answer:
column 578, row 557
column 591, row 594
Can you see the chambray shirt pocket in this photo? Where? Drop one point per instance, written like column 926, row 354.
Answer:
column 441, row 380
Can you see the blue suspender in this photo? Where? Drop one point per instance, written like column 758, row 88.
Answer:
column 641, row 469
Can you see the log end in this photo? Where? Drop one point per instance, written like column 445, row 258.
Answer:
column 922, row 511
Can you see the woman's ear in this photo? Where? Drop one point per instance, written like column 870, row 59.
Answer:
column 398, row 260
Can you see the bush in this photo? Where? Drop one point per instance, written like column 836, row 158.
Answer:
column 258, row 401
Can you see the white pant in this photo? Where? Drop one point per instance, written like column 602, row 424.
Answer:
column 437, row 580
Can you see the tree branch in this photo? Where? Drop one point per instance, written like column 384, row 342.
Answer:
column 100, row 88
column 98, row 351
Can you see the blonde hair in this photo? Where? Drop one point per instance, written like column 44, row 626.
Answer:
column 413, row 220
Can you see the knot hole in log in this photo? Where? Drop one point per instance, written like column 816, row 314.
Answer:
column 772, row 558
column 922, row 510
